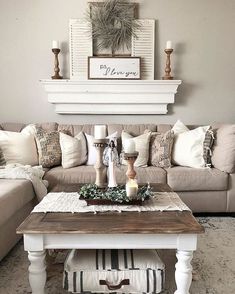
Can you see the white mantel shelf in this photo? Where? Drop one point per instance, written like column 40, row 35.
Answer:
column 111, row 96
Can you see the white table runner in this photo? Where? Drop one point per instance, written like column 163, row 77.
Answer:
column 70, row 202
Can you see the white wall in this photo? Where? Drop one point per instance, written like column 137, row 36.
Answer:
column 202, row 31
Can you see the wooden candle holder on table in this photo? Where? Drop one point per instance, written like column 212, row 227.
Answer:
column 100, row 145
column 131, row 158
column 131, row 185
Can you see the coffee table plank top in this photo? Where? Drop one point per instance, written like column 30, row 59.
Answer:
column 166, row 222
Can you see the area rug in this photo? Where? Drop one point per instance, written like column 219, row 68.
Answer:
column 213, row 264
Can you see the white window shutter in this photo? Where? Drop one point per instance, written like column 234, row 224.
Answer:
column 80, row 46
column 143, row 45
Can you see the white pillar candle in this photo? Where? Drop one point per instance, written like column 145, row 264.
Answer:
column 131, row 188
column 100, row 132
column 55, row 44
column 168, row 45
column 129, row 146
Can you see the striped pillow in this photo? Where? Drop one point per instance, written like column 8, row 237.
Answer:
column 2, row 159
column 207, row 147
column 137, row 271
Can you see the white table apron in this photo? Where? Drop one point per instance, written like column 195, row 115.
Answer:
column 36, row 244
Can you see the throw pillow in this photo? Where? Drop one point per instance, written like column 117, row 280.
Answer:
column 91, row 150
column 141, row 146
column 160, row 149
column 188, row 148
column 49, row 150
column 179, row 128
column 223, row 156
column 74, row 151
column 18, row 148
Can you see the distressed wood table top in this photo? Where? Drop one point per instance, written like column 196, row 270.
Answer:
column 166, row 222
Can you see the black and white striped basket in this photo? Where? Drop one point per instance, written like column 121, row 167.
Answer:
column 119, row 271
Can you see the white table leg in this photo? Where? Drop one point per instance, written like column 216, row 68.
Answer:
column 37, row 271
column 183, row 273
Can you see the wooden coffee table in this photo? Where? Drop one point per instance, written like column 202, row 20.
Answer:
column 111, row 230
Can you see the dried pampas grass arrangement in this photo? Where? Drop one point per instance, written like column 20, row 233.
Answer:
column 113, row 24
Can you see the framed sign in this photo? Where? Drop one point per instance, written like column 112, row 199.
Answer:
column 114, row 68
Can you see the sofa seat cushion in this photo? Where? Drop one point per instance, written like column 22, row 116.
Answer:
column 59, row 177
column 14, row 194
column 194, row 179
column 149, row 174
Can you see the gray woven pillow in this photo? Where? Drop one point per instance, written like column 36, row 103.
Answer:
column 49, row 150
column 160, row 149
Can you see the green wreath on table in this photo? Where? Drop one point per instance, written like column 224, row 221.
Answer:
column 116, row 194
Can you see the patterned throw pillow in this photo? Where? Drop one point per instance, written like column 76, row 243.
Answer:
column 49, row 150
column 160, row 149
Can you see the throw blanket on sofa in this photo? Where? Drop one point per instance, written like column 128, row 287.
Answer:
column 33, row 174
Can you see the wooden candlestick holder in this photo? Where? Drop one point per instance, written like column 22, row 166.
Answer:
column 100, row 145
column 56, row 76
column 168, row 65
column 131, row 158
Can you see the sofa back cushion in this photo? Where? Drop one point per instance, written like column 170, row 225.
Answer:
column 223, row 155
column 74, row 130
column 12, row 127
column 17, row 127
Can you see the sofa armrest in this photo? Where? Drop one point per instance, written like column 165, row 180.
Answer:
column 231, row 194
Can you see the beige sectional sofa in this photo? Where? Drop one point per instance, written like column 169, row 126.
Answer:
column 203, row 190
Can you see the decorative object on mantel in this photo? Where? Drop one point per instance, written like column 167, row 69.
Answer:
column 143, row 45
column 111, row 96
column 93, row 195
column 113, row 24
column 133, row 37
column 80, row 47
column 100, row 142
column 168, row 52
column 56, row 51
column 113, row 68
